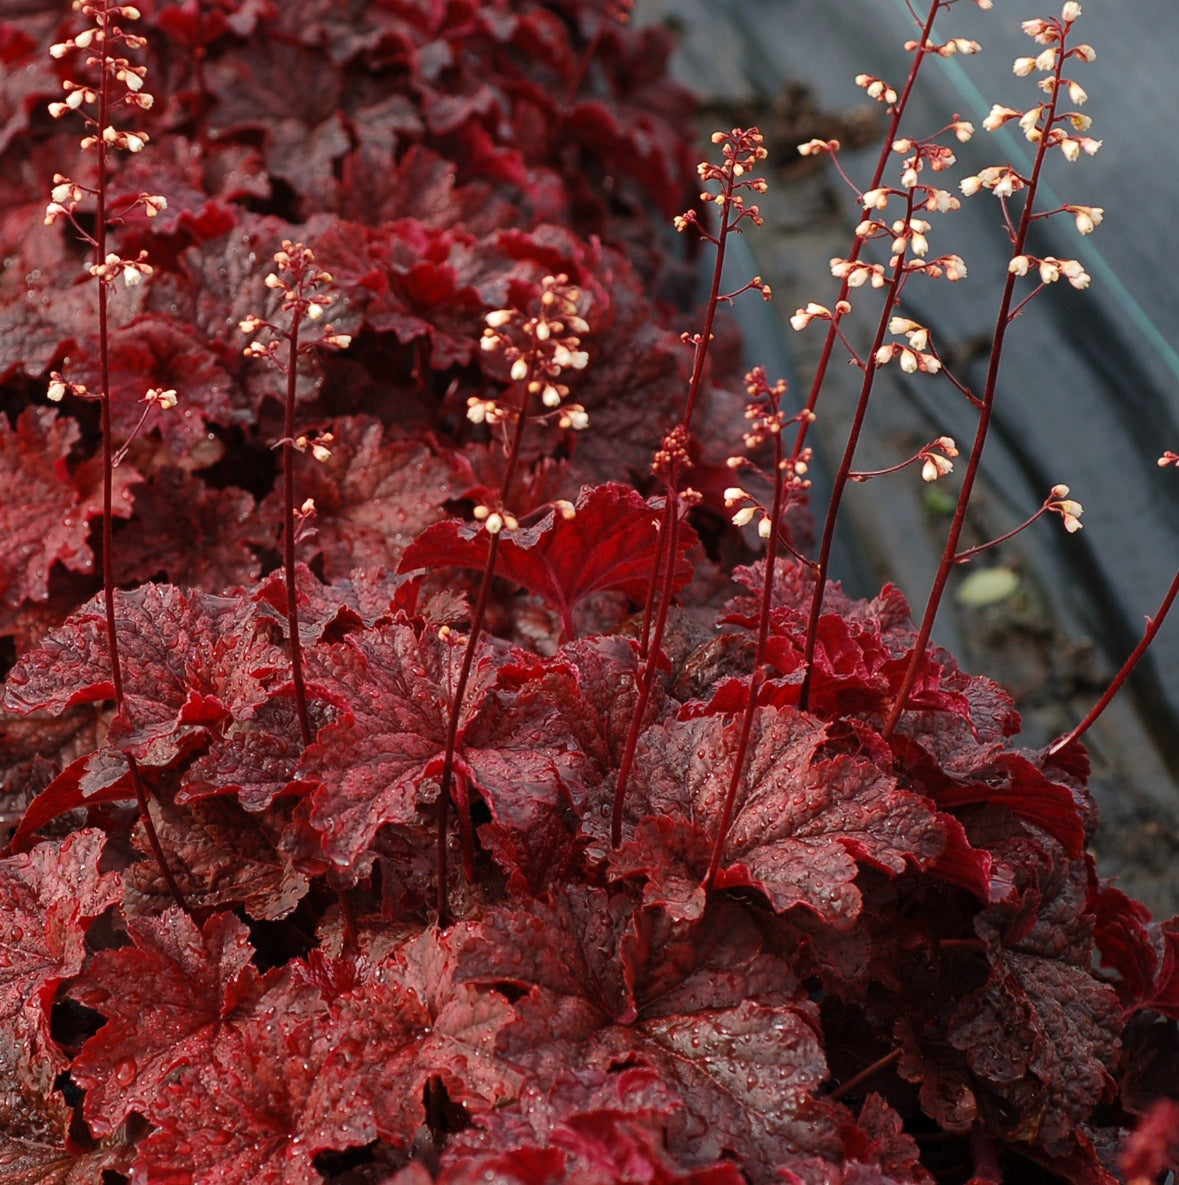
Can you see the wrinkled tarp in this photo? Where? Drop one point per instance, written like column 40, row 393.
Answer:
column 1089, row 387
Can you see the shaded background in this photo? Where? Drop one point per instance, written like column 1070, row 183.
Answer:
column 1089, row 389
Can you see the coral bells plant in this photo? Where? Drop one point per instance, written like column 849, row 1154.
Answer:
column 453, row 761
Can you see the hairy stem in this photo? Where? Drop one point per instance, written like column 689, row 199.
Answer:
column 1002, row 321
column 288, row 557
column 1153, row 625
column 740, row 759
column 890, row 135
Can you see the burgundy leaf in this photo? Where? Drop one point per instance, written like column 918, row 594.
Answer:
column 256, row 757
column 372, row 496
column 166, row 999
column 259, row 1107
column 162, row 352
column 178, row 651
column 718, row 1021
column 219, row 856
column 48, row 898
column 609, row 543
column 369, row 769
column 1042, row 1037
column 190, row 535
column 45, row 519
column 801, row 823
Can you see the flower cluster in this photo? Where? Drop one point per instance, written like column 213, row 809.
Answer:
column 935, row 463
column 305, row 295
column 1060, row 503
column 916, row 356
column 539, row 349
column 1050, row 269
column 767, row 421
column 120, row 84
column 743, row 151
column 1043, row 121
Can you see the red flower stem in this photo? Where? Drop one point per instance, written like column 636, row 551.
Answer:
column 671, row 505
column 1153, row 625
column 646, row 683
column 477, row 620
column 833, row 330
column 962, row 556
column 651, row 644
column 108, row 473
column 844, row 474
column 1002, row 321
column 460, row 691
column 880, row 1064
column 288, row 548
column 759, row 666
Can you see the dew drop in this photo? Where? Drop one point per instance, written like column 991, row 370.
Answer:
column 126, row 1072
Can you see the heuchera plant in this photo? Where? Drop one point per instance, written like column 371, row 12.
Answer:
column 433, row 746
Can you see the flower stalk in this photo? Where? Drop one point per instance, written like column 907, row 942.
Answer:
column 743, row 151
column 1042, row 126
column 306, row 296
column 539, row 350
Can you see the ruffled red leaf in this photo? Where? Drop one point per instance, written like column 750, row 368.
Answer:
column 46, row 512
column 1041, row 1037
column 48, row 898
column 700, row 1004
column 609, row 544
column 220, row 857
column 176, row 650
column 166, row 1000
column 190, row 535
column 802, row 823
column 372, row 496
column 370, row 768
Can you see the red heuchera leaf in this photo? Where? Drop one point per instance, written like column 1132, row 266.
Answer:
column 609, row 543
column 292, row 99
column 463, row 1023
column 1041, row 1038
column 256, row 757
column 219, row 856
column 369, row 768
column 603, row 1128
column 372, row 496
column 801, row 823
column 166, row 1000
column 267, row 1099
column 159, row 351
column 191, row 535
column 880, row 1150
column 39, row 1147
column 349, row 1063
column 411, row 280
column 1145, row 954
column 189, row 661
column 45, row 515
column 420, row 185
column 329, row 612
column 700, row 1004
column 48, row 898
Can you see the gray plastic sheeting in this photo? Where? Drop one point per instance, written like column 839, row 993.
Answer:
column 1089, row 388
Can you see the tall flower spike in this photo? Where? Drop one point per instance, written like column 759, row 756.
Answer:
column 98, row 102
column 305, row 293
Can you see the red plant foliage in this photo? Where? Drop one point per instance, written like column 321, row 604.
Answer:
column 906, row 969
